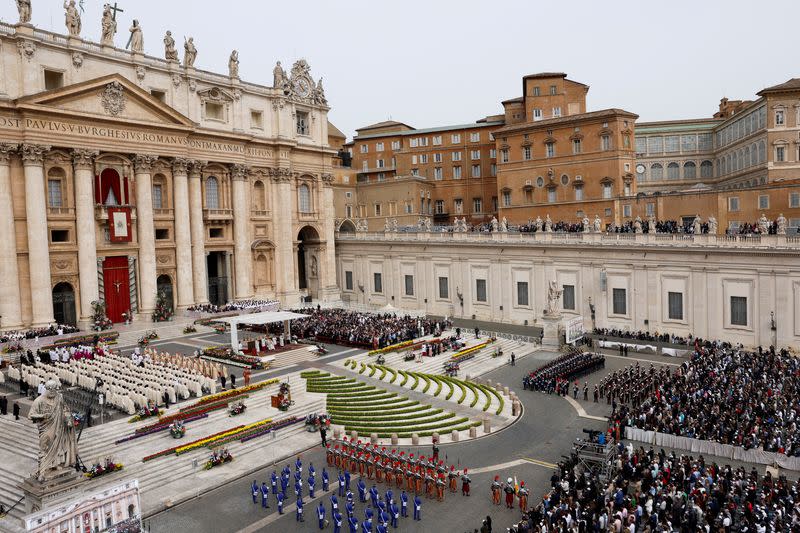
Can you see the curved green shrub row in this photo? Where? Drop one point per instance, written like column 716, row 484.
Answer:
column 411, row 429
column 394, row 374
column 383, row 372
column 336, row 379
column 362, row 369
column 474, row 390
column 402, row 423
column 383, row 398
column 310, row 373
column 387, row 408
column 463, row 396
column 416, row 380
column 427, row 381
column 369, row 420
column 405, row 377
column 373, row 369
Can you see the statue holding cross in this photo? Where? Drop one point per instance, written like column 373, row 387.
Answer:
column 109, row 24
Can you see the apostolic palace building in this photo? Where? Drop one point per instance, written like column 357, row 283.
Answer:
column 123, row 174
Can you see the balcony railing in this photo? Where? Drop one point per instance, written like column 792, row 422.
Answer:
column 162, row 213
column 101, row 211
column 217, row 214
column 60, row 212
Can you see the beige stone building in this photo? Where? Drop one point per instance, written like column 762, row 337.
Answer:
column 737, row 288
column 124, row 174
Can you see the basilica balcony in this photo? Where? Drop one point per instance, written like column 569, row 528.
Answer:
column 217, row 214
column 101, row 211
column 60, row 212
column 309, row 215
column 162, row 214
column 259, row 213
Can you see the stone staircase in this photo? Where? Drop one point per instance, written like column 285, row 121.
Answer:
column 19, row 444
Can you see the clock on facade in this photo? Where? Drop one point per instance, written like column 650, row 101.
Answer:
column 302, row 87
column 640, row 169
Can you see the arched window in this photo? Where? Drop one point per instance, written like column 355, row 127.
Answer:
column 656, row 171
column 673, row 171
column 259, row 198
column 762, row 152
column 212, row 193
column 706, row 169
column 689, row 170
column 304, row 198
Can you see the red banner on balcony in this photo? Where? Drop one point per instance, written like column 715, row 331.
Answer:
column 119, row 224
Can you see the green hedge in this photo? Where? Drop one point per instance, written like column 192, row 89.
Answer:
column 439, row 384
column 401, row 421
column 368, row 420
column 362, row 369
column 427, row 381
column 394, row 374
column 385, row 397
column 405, row 377
column 383, row 370
column 385, row 408
column 310, row 373
column 409, row 430
column 416, row 380
column 463, row 392
column 474, row 390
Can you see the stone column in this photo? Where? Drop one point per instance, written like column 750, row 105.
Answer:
column 198, row 233
column 10, row 309
column 241, row 233
column 143, row 166
column 284, row 238
column 83, row 163
column 183, row 242
column 329, row 289
column 36, row 218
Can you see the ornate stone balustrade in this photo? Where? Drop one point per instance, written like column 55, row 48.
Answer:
column 589, row 239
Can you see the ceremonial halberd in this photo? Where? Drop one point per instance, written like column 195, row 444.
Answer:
column 123, row 175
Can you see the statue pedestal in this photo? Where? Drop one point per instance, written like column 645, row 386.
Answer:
column 24, row 28
column 40, row 495
column 551, row 325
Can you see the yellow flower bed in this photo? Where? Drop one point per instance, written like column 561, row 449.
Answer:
column 393, row 347
column 468, row 351
column 219, row 436
column 236, row 392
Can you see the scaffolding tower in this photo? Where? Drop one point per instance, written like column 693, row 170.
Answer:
column 594, row 457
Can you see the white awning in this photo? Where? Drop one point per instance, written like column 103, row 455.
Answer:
column 267, row 317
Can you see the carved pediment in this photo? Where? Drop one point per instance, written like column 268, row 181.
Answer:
column 215, row 94
column 111, row 96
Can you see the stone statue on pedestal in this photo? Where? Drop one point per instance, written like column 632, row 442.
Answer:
column 387, row 226
column 763, row 224
column 72, row 18
column 712, row 225
column 170, row 52
column 233, row 65
column 586, row 224
column 394, row 225
column 109, row 27
column 538, row 223
column 136, row 40
column 597, row 224
column 504, row 225
column 637, row 225
column 58, row 448
column 189, row 52
column 781, row 224
column 697, row 225
column 548, row 224
column 278, row 76
column 553, row 294
column 495, row 224
column 24, row 8
column 651, row 225
column 319, row 94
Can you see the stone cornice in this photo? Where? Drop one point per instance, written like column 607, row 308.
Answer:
column 83, row 158
column 33, row 154
column 143, row 163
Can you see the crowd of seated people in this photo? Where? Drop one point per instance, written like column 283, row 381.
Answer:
column 352, row 328
column 238, row 305
column 659, row 492
column 555, row 376
column 726, row 394
column 33, row 333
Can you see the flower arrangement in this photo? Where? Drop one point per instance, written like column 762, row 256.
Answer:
column 127, row 316
column 237, row 408
column 189, row 329
column 218, row 458
column 145, row 412
column 163, row 311
column 100, row 321
column 469, row 353
column 159, row 427
column 236, row 392
column 77, row 418
column 270, row 427
column 11, row 348
column 391, row 348
column 220, row 328
column 218, row 437
column 177, row 430
column 170, row 451
column 227, row 356
column 99, row 469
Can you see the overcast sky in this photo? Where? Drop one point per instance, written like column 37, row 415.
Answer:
column 437, row 62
